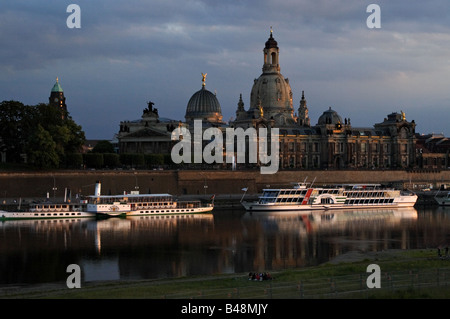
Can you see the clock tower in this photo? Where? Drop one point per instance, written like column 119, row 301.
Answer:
column 57, row 98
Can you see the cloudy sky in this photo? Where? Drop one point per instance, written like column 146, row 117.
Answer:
column 129, row 52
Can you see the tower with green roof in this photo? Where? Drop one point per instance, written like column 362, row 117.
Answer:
column 57, row 98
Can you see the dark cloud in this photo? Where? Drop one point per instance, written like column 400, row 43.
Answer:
column 129, row 52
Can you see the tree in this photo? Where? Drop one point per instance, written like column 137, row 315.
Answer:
column 12, row 129
column 103, row 147
column 67, row 135
column 22, row 127
column 42, row 150
column 93, row 160
column 111, row 160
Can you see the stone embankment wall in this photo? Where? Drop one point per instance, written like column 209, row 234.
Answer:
column 194, row 182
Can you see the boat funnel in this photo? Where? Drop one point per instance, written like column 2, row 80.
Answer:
column 98, row 188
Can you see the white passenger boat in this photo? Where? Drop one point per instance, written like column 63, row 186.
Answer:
column 98, row 205
column 47, row 210
column 443, row 200
column 304, row 197
column 142, row 204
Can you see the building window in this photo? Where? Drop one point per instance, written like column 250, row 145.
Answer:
column 291, row 147
column 315, row 147
column 363, row 147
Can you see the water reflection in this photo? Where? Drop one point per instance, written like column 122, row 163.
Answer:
column 145, row 247
column 296, row 239
column 305, row 222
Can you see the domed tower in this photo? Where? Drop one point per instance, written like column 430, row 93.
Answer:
column 204, row 105
column 271, row 90
column 58, row 99
column 330, row 117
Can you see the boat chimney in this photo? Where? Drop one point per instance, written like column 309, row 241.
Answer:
column 98, row 187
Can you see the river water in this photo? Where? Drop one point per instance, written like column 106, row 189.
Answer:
column 226, row 241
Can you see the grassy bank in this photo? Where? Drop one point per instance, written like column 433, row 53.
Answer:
column 404, row 274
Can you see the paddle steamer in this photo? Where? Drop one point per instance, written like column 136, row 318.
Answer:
column 142, row 204
column 99, row 205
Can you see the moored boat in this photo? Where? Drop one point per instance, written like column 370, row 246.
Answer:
column 443, row 200
column 142, row 204
column 304, row 197
column 47, row 210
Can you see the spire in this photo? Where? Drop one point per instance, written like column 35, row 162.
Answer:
column 271, row 43
column 303, row 117
column 240, row 103
column 271, row 52
column 57, row 87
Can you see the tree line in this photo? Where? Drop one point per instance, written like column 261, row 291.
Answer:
column 45, row 137
column 40, row 136
column 108, row 160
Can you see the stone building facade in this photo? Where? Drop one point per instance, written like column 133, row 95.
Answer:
column 332, row 143
column 149, row 134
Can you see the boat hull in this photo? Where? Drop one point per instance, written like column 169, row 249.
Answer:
column 6, row 215
column 406, row 201
column 443, row 202
column 171, row 211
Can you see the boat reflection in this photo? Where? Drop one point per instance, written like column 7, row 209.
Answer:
column 163, row 246
column 297, row 239
column 141, row 229
column 314, row 220
column 106, row 249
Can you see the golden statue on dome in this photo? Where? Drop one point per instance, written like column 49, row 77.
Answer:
column 204, row 79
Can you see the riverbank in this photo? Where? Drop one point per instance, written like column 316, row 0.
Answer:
column 347, row 274
column 55, row 184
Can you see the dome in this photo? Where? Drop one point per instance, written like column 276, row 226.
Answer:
column 57, row 87
column 274, row 93
column 271, row 43
column 329, row 117
column 204, row 105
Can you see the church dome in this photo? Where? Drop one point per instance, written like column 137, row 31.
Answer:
column 329, row 117
column 204, row 105
column 274, row 93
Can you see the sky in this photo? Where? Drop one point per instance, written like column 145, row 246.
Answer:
column 127, row 53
